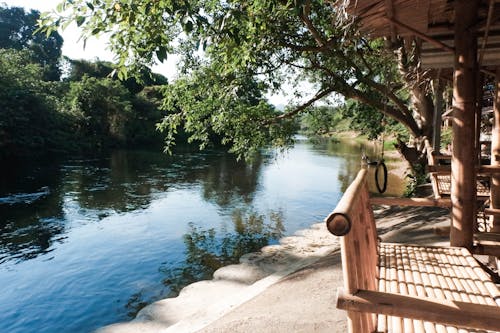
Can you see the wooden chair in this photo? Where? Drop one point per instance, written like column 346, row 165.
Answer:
column 406, row 288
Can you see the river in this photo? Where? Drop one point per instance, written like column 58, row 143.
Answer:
column 88, row 242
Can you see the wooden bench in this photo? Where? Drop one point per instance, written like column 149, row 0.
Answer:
column 406, row 288
column 440, row 176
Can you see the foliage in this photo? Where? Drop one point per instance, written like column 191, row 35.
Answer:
column 364, row 118
column 320, row 120
column 103, row 69
column 80, row 68
column 415, row 179
column 16, row 32
column 370, row 122
column 271, row 42
column 446, row 136
column 138, row 31
column 232, row 107
column 28, row 123
column 140, row 128
column 79, row 114
column 39, row 117
column 100, row 109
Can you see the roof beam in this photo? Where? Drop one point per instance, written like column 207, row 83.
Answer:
column 389, row 9
column 421, row 35
column 486, row 31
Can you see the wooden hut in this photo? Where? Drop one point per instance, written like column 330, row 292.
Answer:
column 461, row 39
column 406, row 288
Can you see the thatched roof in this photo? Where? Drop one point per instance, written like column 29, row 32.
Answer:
column 432, row 21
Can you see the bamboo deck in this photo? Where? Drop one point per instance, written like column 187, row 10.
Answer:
column 411, row 288
column 436, row 272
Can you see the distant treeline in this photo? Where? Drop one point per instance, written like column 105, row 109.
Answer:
column 55, row 105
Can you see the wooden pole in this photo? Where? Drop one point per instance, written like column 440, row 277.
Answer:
column 463, row 187
column 495, row 153
column 479, row 104
column 479, row 111
column 438, row 110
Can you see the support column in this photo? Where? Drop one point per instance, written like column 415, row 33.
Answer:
column 438, row 111
column 463, row 174
column 495, row 153
column 479, row 111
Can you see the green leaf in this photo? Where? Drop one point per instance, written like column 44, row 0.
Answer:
column 80, row 20
column 188, row 27
column 161, row 53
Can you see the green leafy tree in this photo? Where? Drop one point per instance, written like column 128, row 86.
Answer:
column 17, row 28
column 100, row 109
column 141, row 126
column 104, row 69
column 321, row 120
column 231, row 107
column 29, row 122
column 272, row 41
column 78, row 68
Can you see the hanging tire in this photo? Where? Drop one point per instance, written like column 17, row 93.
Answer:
column 381, row 185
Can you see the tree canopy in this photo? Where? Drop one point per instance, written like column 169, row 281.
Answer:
column 86, row 112
column 272, row 43
column 17, row 29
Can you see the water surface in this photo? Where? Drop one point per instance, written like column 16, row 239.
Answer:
column 88, row 242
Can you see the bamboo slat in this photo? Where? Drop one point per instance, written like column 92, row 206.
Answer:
column 441, row 184
column 487, row 243
column 441, row 274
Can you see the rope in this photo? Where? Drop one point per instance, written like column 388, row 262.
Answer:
column 382, row 185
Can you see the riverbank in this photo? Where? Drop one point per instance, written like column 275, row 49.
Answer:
column 283, row 288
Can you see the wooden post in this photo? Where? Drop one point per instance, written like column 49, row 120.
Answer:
column 479, row 111
column 463, row 187
column 438, row 110
column 495, row 153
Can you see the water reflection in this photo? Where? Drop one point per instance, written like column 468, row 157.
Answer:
column 31, row 212
column 207, row 250
column 36, row 204
column 352, row 151
column 228, row 181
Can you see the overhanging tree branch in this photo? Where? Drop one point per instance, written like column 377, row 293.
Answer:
column 304, row 17
column 319, row 95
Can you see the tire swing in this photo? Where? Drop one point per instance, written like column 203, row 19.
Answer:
column 381, row 168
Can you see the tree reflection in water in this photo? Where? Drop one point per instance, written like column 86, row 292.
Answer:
column 38, row 203
column 208, row 250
